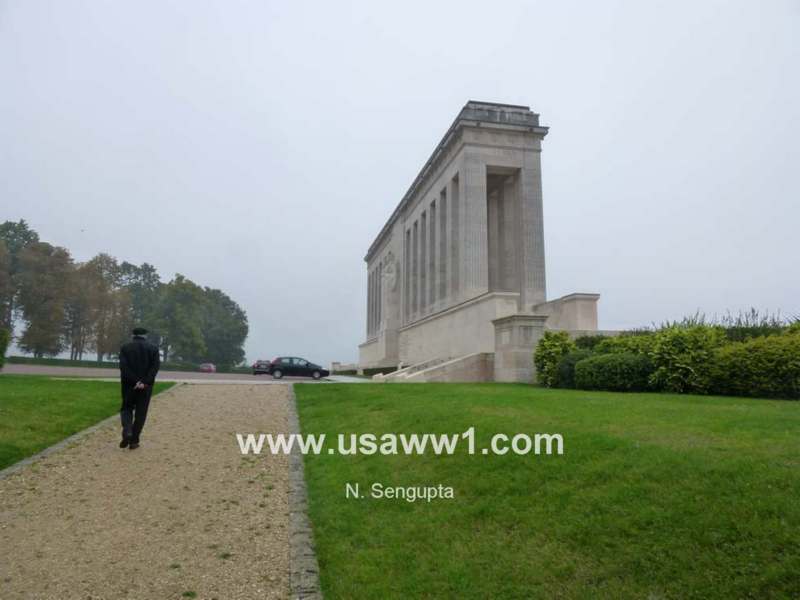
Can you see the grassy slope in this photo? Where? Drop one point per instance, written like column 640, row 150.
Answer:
column 36, row 412
column 659, row 496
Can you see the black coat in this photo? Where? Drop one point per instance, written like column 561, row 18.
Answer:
column 138, row 361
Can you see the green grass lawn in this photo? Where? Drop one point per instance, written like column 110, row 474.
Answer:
column 656, row 495
column 36, row 412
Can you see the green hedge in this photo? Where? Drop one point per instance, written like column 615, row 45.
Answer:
column 61, row 362
column 5, row 339
column 565, row 372
column 108, row 364
column 553, row 346
column 618, row 372
column 640, row 343
column 768, row 367
column 589, row 342
column 682, row 358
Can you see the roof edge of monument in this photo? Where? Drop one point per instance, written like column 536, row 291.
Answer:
column 503, row 104
column 470, row 113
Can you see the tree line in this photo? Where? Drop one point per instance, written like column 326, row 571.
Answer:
column 90, row 307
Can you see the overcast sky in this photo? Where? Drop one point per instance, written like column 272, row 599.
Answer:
column 258, row 147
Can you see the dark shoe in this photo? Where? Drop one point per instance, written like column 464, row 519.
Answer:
column 124, row 443
column 134, row 445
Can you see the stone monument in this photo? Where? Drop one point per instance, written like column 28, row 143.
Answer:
column 456, row 276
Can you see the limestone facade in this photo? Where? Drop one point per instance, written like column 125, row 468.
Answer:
column 465, row 246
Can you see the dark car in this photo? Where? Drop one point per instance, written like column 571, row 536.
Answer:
column 298, row 367
column 262, row 367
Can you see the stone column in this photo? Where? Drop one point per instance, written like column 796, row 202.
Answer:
column 379, row 311
column 415, row 271
column 494, row 230
column 530, row 232
column 433, row 256
column 444, row 246
column 406, row 274
column 508, row 241
column 372, row 301
column 455, row 268
column 475, row 241
column 515, row 338
column 423, row 262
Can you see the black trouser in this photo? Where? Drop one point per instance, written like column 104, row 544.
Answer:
column 134, row 402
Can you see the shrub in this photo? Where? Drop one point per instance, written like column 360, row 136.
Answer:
column 617, row 372
column 565, row 371
column 746, row 355
column 636, row 343
column 5, row 338
column 682, row 357
column 768, row 367
column 737, row 333
column 549, row 351
column 751, row 324
column 588, row 342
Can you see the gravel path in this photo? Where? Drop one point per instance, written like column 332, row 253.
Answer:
column 184, row 516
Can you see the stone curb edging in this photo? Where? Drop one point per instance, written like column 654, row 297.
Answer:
column 303, row 566
column 17, row 466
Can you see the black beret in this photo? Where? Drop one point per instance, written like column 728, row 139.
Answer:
column 139, row 331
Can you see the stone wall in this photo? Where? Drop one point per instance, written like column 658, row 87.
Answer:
column 465, row 369
column 573, row 312
column 462, row 330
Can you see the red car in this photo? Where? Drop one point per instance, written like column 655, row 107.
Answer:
column 208, row 368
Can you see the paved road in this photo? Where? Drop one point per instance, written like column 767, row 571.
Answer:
column 186, row 512
column 180, row 376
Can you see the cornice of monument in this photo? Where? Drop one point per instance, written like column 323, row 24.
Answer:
column 487, row 115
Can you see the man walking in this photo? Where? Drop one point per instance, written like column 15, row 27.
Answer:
column 138, row 364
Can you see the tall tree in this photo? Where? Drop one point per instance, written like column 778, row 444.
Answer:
column 225, row 328
column 178, row 320
column 7, row 288
column 143, row 283
column 116, row 323
column 80, row 314
column 105, row 276
column 16, row 236
column 43, row 275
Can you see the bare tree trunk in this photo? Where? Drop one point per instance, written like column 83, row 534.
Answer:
column 8, row 317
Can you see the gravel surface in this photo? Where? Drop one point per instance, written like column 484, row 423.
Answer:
column 183, row 516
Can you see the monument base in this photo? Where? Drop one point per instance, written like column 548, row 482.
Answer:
column 515, row 338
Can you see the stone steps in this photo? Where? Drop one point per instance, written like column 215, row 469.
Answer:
column 478, row 366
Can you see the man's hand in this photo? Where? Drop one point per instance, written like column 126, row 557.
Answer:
column 139, row 386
